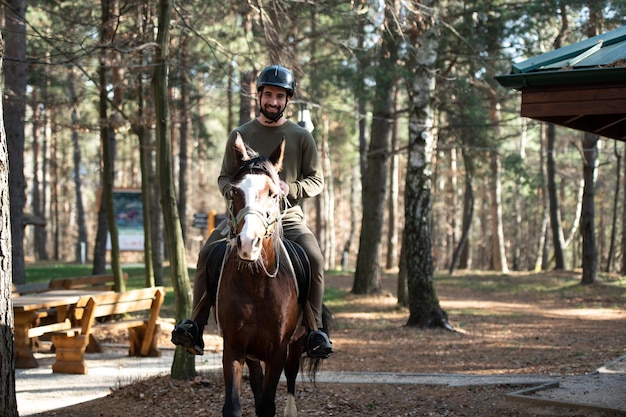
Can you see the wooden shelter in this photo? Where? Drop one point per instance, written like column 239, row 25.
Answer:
column 581, row 86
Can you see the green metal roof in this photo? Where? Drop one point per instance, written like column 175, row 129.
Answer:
column 581, row 86
column 601, row 59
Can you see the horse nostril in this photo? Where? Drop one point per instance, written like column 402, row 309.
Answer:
column 239, row 242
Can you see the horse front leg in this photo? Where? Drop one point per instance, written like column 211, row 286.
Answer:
column 273, row 370
column 292, row 367
column 233, row 368
column 256, row 380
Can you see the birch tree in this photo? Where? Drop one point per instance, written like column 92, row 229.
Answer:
column 424, row 309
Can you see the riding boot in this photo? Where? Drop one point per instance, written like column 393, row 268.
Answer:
column 318, row 345
column 188, row 334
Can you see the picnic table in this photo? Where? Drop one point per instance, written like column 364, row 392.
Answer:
column 30, row 310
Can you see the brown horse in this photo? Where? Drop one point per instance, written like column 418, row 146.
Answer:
column 258, row 308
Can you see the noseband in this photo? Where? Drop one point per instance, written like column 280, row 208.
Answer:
column 235, row 220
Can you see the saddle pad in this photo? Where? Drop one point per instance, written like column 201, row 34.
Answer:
column 214, row 268
column 297, row 256
column 302, row 268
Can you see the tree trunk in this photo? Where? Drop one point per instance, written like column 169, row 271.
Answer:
column 497, row 229
column 367, row 274
column 468, row 213
column 555, row 210
column 81, row 244
column 545, row 212
column 107, row 140
column 183, row 366
column 328, row 201
column 519, row 245
column 8, row 400
column 590, row 157
column 613, row 239
column 392, row 202
column 360, row 90
column 245, row 97
column 100, row 243
column 15, row 73
column 106, row 164
column 623, row 244
column 55, row 212
column 355, row 198
column 403, row 284
column 445, row 215
column 145, row 150
column 38, row 203
column 156, row 217
column 424, row 309
column 183, row 151
column 587, row 228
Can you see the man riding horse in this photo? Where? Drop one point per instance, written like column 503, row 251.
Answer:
column 300, row 178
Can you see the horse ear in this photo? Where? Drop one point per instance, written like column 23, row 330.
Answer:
column 239, row 148
column 276, row 157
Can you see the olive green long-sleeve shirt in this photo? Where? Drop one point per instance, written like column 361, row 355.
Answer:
column 301, row 164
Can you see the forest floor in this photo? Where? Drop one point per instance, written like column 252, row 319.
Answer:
column 545, row 325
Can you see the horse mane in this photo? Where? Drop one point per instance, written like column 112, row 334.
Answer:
column 256, row 165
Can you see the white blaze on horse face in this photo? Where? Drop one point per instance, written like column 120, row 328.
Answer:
column 258, row 203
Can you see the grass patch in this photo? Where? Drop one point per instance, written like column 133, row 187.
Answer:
column 45, row 272
column 564, row 283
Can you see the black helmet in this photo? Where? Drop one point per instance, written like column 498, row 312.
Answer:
column 277, row 76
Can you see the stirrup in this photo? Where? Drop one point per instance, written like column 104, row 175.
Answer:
column 318, row 346
column 187, row 334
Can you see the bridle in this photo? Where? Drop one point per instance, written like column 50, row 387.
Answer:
column 269, row 219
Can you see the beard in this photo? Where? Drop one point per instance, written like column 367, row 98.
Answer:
column 272, row 113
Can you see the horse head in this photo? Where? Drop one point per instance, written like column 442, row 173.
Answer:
column 255, row 199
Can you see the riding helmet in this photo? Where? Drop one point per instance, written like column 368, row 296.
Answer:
column 277, row 76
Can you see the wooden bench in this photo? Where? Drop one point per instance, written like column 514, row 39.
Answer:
column 34, row 288
column 100, row 282
column 71, row 344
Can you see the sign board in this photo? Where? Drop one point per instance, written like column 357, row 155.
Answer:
column 129, row 218
column 201, row 221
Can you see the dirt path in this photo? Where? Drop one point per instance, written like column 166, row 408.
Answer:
column 524, row 324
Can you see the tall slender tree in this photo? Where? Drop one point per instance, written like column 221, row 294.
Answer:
column 613, row 237
column 183, row 365
column 15, row 75
column 81, row 243
column 423, row 34
column 8, row 399
column 368, row 269
column 110, row 13
column 184, row 122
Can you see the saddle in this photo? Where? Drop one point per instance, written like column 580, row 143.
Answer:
column 296, row 256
